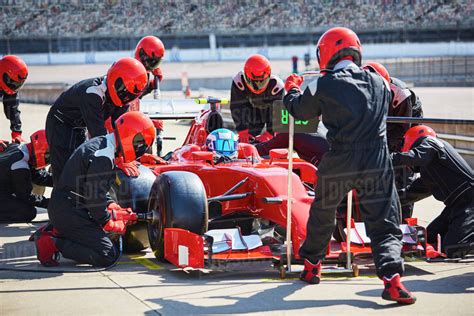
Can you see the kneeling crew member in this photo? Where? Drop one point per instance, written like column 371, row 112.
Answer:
column 446, row 176
column 353, row 104
column 20, row 166
column 80, row 207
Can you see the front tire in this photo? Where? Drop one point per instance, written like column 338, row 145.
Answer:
column 178, row 200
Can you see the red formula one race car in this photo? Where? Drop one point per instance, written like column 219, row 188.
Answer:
column 198, row 212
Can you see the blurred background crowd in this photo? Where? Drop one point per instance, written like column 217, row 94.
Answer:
column 133, row 18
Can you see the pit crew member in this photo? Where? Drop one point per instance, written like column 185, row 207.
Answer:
column 20, row 166
column 150, row 52
column 87, row 104
column 446, row 176
column 253, row 93
column 13, row 73
column 80, row 208
column 353, row 104
column 405, row 103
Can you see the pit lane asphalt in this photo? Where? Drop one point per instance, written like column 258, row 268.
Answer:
column 141, row 285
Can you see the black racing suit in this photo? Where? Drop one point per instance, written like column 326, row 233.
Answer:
column 405, row 103
column 78, row 205
column 84, row 105
column 353, row 104
column 11, row 110
column 151, row 86
column 447, row 176
column 16, row 178
column 254, row 111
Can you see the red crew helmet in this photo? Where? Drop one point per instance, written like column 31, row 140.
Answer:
column 335, row 44
column 39, row 149
column 150, row 51
column 257, row 72
column 13, row 73
column 414, row 134
column 134, row 133
column 374, row 66
column 126, row 80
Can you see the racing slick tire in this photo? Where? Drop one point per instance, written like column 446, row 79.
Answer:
column 177, row 200
column 134, row 193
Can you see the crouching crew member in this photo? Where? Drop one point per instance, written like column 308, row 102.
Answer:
column 20, row 166
column 13, row 73
column 353, row 104
column 80, row 207
column 405, row 103
column 253, row 93
column 87, row 104
column 446, row 176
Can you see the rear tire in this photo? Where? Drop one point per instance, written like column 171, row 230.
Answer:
column 134, row 193
column 178, row 200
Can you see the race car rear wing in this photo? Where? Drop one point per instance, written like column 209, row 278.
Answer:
column 170, row 109
column 178, row 109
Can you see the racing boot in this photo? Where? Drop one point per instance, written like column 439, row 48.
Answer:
column 311, row 272
column 395, row 291
column 460, row 251
column 46, row 250
column 46, row 227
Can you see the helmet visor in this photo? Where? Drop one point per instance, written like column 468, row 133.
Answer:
column 139, row 145
column 257, row 85
column 150, row 62
column 225, row 147
column 124, row 95
column 12, row 84
column 225, row 144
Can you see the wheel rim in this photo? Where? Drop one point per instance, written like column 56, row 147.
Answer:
column 156, row 227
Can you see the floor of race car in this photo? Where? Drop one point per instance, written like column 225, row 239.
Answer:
column 139, row 284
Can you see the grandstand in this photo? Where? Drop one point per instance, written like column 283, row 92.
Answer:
column 58, row 25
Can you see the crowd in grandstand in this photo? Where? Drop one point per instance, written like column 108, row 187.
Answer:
column 117, row 17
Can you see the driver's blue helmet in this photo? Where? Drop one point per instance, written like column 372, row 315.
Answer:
column 223, row 142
